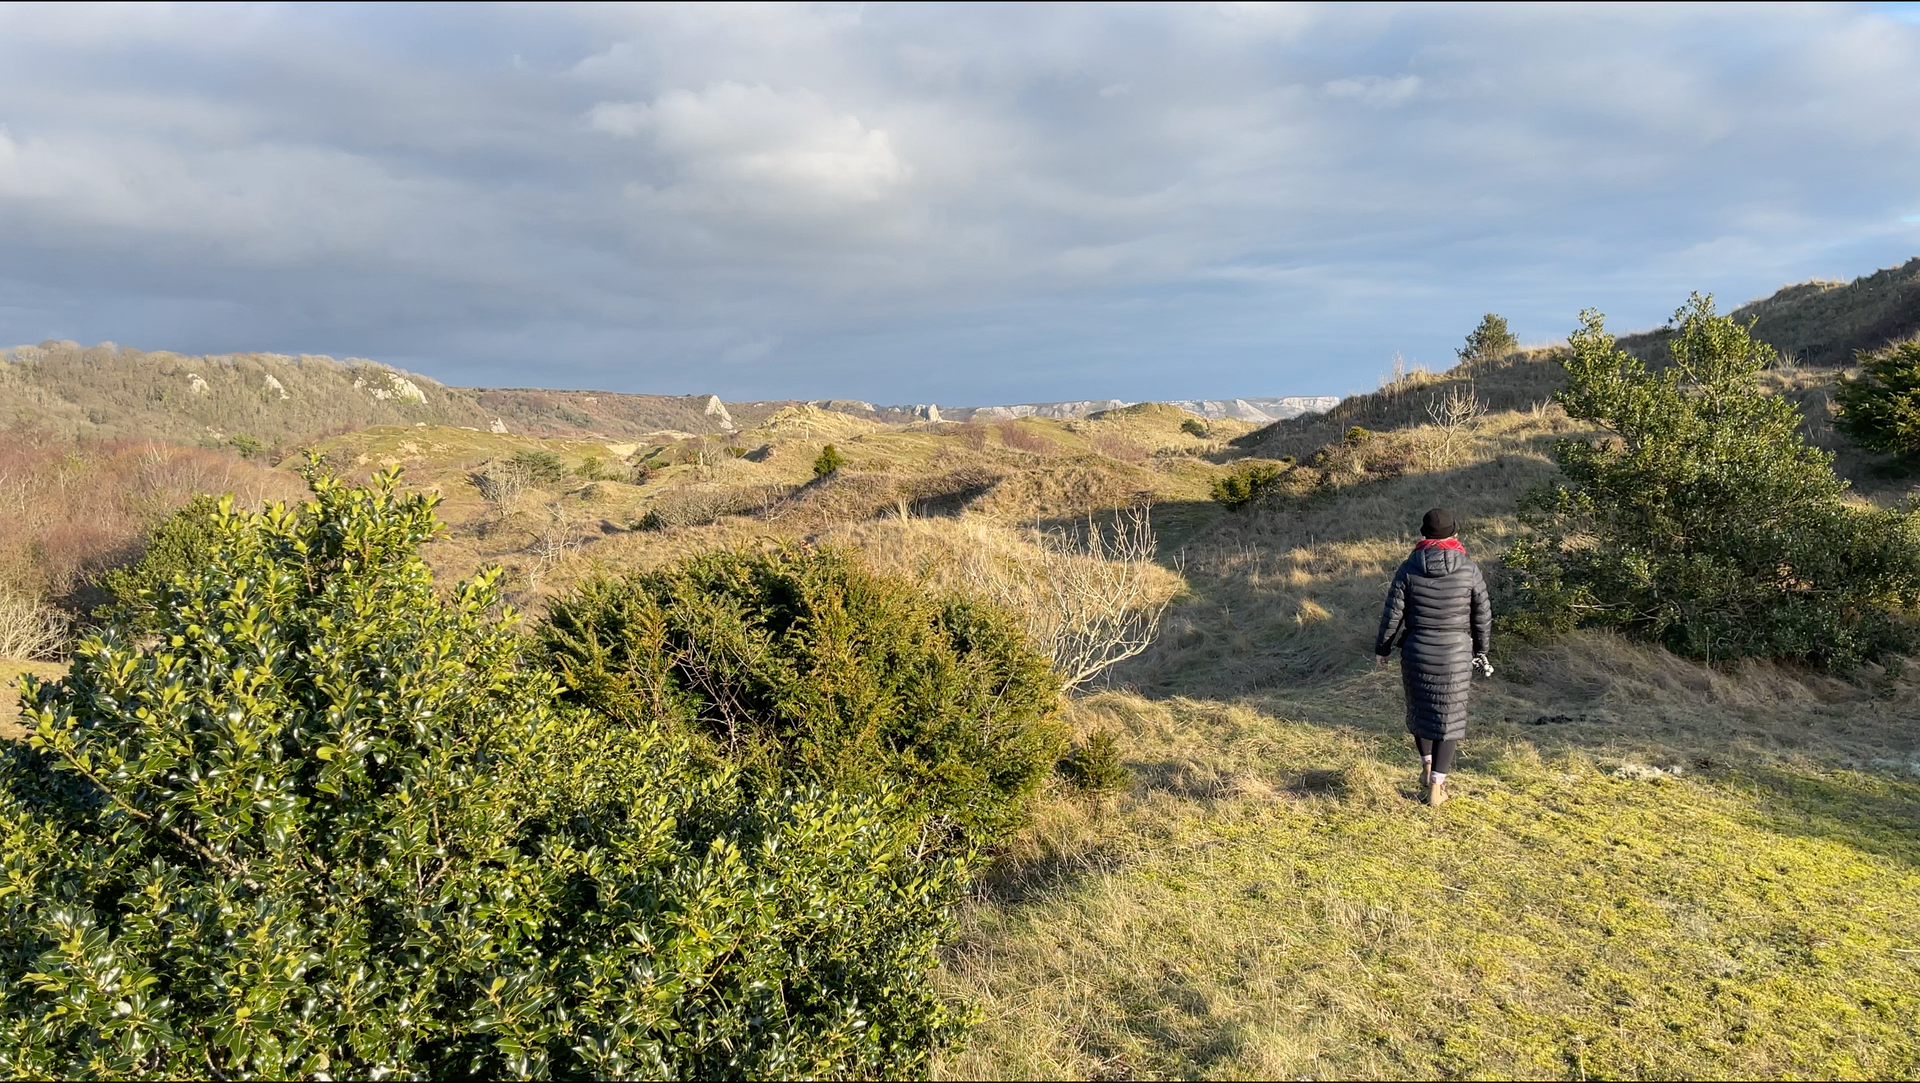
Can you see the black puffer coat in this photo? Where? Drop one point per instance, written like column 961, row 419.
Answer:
column 1438, row 614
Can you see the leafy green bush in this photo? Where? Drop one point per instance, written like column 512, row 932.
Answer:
column 1245, row 484
column 1356, row 436
column 1193, row 426
column 249, row 447
column 805, row 669
column 1488, row 342
column 327, row 826
column 1706, row 522
column 829, row 461
column 540, row 466
column 1881, row 409
column 175, row 546
column 1095, row 766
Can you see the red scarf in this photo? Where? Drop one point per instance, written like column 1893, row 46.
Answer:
column 1440, row 543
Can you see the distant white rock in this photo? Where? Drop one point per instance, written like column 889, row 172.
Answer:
column 717, row 409
column 197, row 384
column 278, row 388
column 497, row 425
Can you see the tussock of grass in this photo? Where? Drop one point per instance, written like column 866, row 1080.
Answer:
column 1269, row 901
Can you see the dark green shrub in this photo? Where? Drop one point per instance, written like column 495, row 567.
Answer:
column 829, row 461
column 593, row 469
column 805, row 669
column 249, row 447
column 175, row 546
column 539, row 466
column 1356, row 436
column 327, row 826
column 1193, row 426
column 1245, row 484
column 1705, row 522
column 1881, row 409
column 1095, row 766
column 1488, row 342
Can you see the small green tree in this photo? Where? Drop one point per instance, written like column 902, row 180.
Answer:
column 540, row 466
column 829, row 461
column 1245, row 484
column 249, row 447
column 1881, row 409
column 325, row 825
column 1488, row 342
column 1193, row 426
column 175, row 546
column 1704, row 521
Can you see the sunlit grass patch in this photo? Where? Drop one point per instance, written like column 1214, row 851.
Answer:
column 1270, row 901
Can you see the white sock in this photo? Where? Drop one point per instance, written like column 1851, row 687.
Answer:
column 1439, row 777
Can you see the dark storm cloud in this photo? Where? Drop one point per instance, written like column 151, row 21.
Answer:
column 931, row 203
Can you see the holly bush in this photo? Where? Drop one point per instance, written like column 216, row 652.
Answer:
column 1702, row 519
column 323, row 823
column 804, row 669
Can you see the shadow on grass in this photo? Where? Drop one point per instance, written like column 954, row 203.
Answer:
column 1287, row 595
column 1868, row 813
column 1010, row 880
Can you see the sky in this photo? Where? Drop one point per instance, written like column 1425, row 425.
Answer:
column 925, row 203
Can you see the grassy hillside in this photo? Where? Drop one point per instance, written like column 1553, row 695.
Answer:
column 1825, row 322
column 113, row 392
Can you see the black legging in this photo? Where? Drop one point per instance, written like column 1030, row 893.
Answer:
column 1441, row 751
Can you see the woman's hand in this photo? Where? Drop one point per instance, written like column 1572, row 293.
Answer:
column 1381, row 660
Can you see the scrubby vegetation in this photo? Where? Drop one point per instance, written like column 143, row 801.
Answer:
column 327, row 826
column 1702, row 520
column 805, row 670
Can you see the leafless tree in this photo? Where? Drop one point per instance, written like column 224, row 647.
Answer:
column 552, row 542
column 1454, row 414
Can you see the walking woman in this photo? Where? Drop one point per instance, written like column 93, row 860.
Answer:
column 1438, row 615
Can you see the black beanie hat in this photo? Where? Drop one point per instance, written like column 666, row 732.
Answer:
column 1438, row 524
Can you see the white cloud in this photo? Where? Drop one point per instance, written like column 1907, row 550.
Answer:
column 733, row 144
column 1374, row 90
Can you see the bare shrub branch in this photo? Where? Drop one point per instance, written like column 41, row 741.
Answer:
column 1454, row 414
column 29, row 628
column 1091, row 603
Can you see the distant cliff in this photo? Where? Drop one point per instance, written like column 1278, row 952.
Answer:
column 1260, row 410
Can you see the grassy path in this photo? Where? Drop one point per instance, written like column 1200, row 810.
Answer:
column 1270, row 901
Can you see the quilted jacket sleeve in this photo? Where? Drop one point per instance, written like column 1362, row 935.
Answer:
column 1482, row 613
column 1393, row 616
